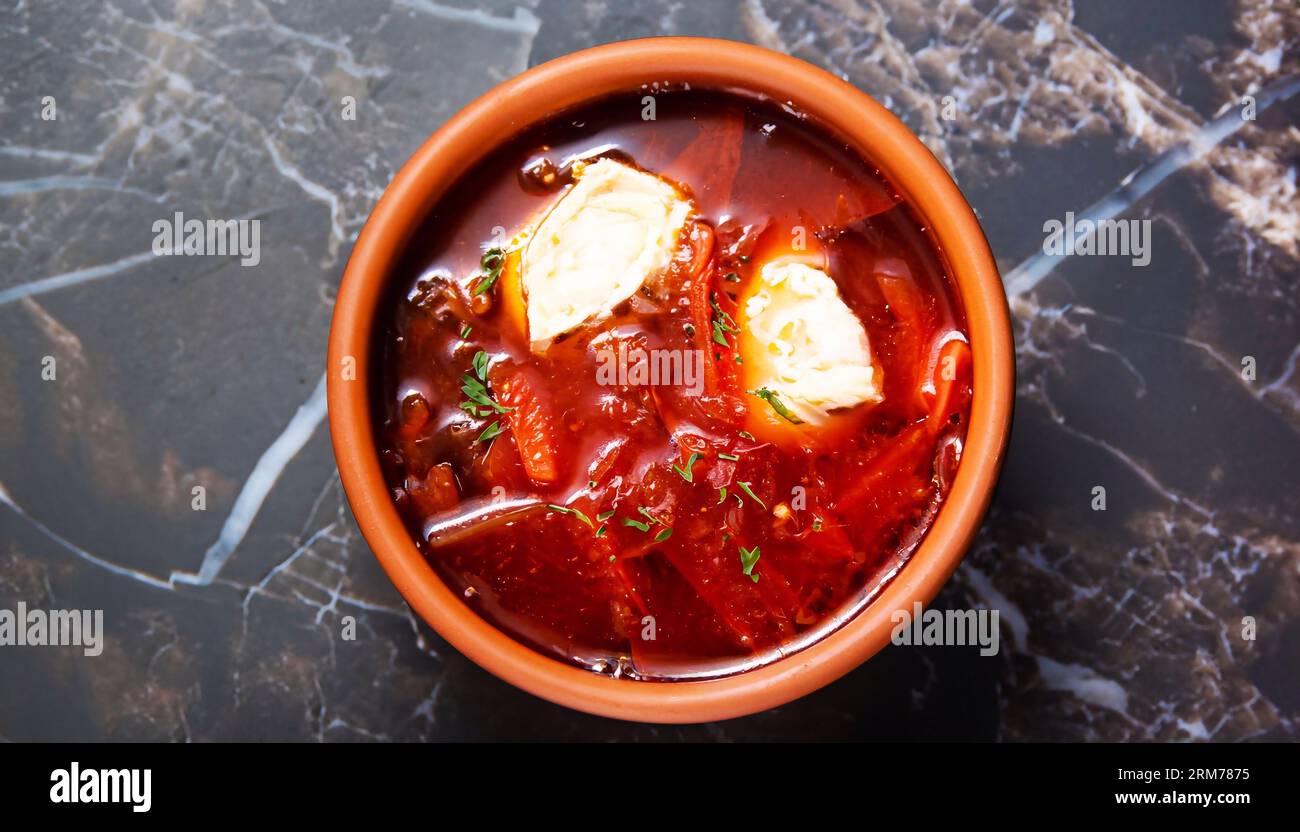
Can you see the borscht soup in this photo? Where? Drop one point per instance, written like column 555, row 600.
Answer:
column 672, row 384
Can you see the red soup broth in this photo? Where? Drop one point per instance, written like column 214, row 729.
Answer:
column 660, row 530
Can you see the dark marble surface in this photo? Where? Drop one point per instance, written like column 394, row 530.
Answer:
column 181, row 372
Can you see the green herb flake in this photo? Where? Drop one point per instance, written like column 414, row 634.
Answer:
column 480, row 363
column 612, row 558
column 744, row 486
column 465, row 331
column 636, row 524
column 646, row 512
column 722, row 496
column 688, row 474
column 817, row 524
column 493, row 260
column 663, row 535
column 474, row 389
column 723, row 319
column 720, row 337
column 729, row 457
column 748, row 559
column 566, row 510
column 777, row 405
column 722, row 323
column 604, row 515
column 492, row 431
column 744, row 434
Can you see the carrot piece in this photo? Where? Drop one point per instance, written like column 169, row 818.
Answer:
column 889, row 507
column 702, row 320
column 711, row 592
column 514, row 310
column 717, row 399
column 757, row 614
column 901, row 457
column 721, row 378
column 910, row 332
column 950, row 373
column 684, row 622
column 701, row 238
column 531, row 422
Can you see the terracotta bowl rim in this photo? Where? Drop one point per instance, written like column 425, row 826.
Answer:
column 626, row 67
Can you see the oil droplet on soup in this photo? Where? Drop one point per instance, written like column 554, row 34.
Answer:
column 671, row 399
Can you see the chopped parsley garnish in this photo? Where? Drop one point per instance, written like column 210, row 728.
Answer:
column 777, row 405
column 476, row 391
column 744, row 434
column 722, row 323
column 646, row 512
column 663, row 535
column 465, row 331
column 604, row 515
column 748, row 559
column 565, row 510
column 744, row 486
column 687, row 474
column 817, row 524
column 493, row 260
column 489, row 433
column 729, row 457
column 636, row 524
column 722, row 495
column 480, row 362
column 612, row 558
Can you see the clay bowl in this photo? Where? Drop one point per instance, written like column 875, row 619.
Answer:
column 625, row 67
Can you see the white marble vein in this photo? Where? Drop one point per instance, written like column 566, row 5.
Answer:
column 523, row 22
column 258, row 485
column 1024, row 277
column 116, row 569
column 73, row 278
